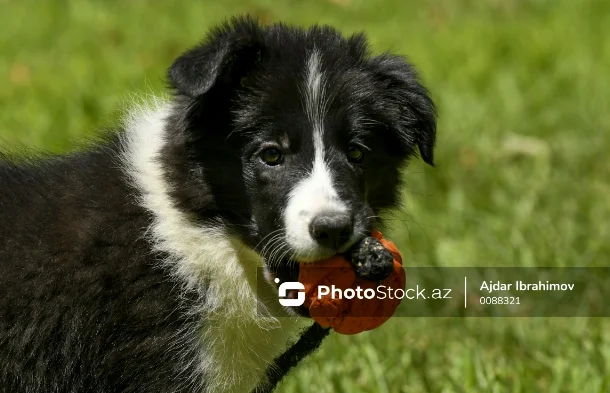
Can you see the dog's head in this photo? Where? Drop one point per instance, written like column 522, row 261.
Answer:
column 293, row 138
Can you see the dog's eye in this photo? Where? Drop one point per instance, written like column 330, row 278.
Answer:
column 355, row 153
column 271, row 156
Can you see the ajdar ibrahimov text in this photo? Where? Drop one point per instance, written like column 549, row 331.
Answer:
column 492, row 286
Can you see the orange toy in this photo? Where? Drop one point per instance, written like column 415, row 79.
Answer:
column 349, row 316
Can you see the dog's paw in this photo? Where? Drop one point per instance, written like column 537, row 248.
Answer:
column 371, row 260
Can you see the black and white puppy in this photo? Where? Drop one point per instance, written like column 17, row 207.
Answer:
column 131, row 266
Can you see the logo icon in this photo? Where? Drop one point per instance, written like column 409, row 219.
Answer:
column 291, row 285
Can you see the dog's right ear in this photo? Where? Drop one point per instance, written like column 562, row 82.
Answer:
column 225, row 56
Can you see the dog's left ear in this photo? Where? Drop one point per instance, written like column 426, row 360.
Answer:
column 227, row 53
column 408, row 104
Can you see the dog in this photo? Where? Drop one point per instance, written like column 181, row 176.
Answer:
column 131, row 265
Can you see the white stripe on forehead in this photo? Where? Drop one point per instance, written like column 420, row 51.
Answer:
column 314, row 105
column 314, row 100
column 315, row 193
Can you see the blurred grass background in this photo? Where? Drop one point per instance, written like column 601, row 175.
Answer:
column 522, row 175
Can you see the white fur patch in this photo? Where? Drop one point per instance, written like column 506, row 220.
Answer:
column 314, row 194
column 238, row 341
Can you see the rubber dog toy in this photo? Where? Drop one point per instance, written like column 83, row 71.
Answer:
column 352, row 316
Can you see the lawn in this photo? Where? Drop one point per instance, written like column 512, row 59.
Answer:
column 522, row 176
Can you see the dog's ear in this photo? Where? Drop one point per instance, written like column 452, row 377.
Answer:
column 224, row 56
column 407, row 104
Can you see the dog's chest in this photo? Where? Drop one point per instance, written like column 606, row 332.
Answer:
column 236, row 339
column 239, row 355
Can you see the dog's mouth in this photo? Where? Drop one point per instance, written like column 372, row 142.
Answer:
column 369, row 258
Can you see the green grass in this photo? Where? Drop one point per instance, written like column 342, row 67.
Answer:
column 522, row 177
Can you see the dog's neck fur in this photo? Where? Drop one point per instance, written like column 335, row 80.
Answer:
column 239, row 337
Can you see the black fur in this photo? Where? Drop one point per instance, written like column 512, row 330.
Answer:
column 84, row 303
column 243, row 88
column 82, row 307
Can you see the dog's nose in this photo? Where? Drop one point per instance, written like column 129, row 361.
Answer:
column 331, row 230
